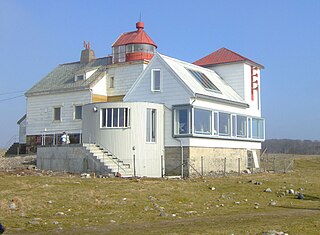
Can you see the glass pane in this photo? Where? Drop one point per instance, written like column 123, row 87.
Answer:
column 153, row 125
column 156, row 80
column 215, row 124
column 241, row 126
column 234, row 130
column 224, row 124
column 257, row 128
column 104, row 117
column 202, row 121
column 182, row 121
column 115, row 117
column 203, row 79
column 78, row 112
column 249, row 127
column 57, row 114
column 109, row 119
column 121, row 117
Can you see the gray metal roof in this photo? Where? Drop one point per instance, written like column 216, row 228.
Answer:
column 62, row 78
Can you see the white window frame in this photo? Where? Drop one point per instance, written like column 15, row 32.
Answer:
column 153, row 80
column 126, row 117
column 78, row 75
column 151, row 125
column 111, row 82
column 54, row 112
column 74, row 112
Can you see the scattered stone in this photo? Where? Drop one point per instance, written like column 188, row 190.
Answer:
column 221, row 205
column 290, row 191
column 147, row 208
column 300, row 196
column 60, row 213
column 174, row 215
column 12, row 206
column 274, row 232
column 245, row 200
column 272, row 203
column 50, row 202
column 34, row 222
column 257, row 203
column 124, row 199
column 282, row 194
column 258, row 183
column 247, row 171
column 191, row 212
column 268, row 190
column 163, row 214
column 85, row 175
column 212, row 188
column 237, row 203
column 55, row 222
column 112, row 221
column 256, row 207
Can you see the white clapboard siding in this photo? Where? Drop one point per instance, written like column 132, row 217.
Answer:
column 100, row 87
column 40, row 112
column 172, row 93
column 125, row 143
column 233, row 74
column 124, row 76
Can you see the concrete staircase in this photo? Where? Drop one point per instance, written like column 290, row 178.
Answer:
column 109, row 160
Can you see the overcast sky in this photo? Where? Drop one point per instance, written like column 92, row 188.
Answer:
column 284, row 36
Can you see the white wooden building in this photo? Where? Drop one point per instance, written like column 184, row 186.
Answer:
column 156, row 113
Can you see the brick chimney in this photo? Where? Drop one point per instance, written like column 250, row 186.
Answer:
column 87, row 55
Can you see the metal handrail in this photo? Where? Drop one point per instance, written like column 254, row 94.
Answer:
column 112, row 154
column 10, row 142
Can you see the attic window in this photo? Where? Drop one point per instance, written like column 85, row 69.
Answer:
column 203, row 79
column 79, row 77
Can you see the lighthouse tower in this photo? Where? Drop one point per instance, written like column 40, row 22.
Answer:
column 133, row 46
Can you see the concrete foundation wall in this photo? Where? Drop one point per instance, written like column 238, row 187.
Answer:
column 204, row 161
column 68, row 158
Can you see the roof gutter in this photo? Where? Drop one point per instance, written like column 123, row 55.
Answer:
column 220, row 100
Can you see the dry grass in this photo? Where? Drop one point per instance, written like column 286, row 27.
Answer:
column 71, row 205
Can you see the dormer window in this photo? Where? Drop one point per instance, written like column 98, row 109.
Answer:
column 80, row 77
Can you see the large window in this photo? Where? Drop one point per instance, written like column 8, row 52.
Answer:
column 224, row 124
column 78, row 112
column 190, row 120
column 151, row 125
column 57, row 114
column 115, row 117
column 155, row 80
column 202, row 121
column 257, row 128
column 182, row 121
column 241, row 126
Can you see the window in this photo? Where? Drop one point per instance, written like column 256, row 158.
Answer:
column 204, row 80
column 155, row 80
column 224, row 124
column 183, row 121
column 151, row 125
column 57, row 114
column 111, row 82
column 241, row 126
column 80, row 77
column 77, row 112
column 257, row 128
column 115, row 117
column 202, row 121
column 249, row 127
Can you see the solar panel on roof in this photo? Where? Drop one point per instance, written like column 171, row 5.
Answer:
column 203, row 79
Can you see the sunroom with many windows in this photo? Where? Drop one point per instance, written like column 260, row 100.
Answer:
column 201, row 122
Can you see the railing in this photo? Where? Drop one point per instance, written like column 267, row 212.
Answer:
column 110, row 155
column 54, row 136
column 11, row 141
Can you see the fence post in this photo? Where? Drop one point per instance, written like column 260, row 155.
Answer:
column 224, row 166
column 134, row 165
column 274, row 165
column 285, row 170
column 202, row 165
column 239, row 167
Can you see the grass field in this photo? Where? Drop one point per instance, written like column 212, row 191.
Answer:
column 71, row 205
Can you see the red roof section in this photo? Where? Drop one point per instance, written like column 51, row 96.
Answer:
column 135, row 37
column 221, row 56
